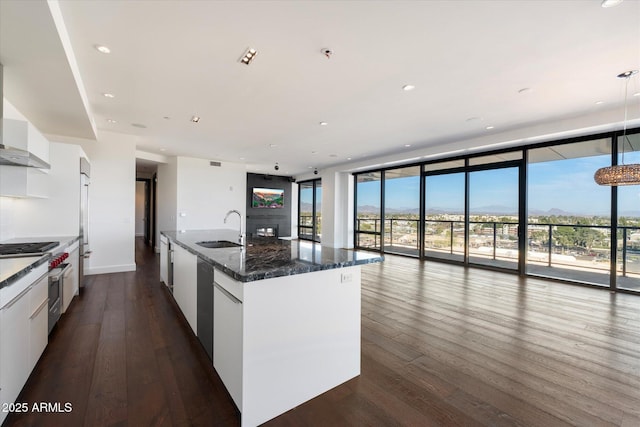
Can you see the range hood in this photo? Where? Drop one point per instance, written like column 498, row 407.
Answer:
column 10, row 155
column 16, row 157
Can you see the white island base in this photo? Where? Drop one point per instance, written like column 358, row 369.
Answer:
column 282, row 341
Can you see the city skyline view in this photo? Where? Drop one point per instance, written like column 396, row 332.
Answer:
column 563, row 187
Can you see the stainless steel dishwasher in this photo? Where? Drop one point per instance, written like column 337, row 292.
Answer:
column 205, row 305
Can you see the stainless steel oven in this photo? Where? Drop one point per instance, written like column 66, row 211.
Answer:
column 57, row 277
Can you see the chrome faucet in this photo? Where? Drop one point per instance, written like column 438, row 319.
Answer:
column 241, row 236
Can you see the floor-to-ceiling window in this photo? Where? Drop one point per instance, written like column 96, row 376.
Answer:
column 309, row 210
column 628, row 242
column 402, row 211
column 536, row 210
column 569, row 214
column 444, row 210
column 368, row 225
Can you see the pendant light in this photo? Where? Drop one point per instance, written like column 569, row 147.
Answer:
column 621, row 174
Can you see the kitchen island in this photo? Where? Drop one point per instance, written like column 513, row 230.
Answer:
column 286, row 316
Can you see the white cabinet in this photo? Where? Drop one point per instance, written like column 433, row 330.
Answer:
column 185, row 280
column 71, row 277
column 23, row 331
column 227, row 335
column 20, row 181
column 14, row 347
column 164, row 265
column 38, row 320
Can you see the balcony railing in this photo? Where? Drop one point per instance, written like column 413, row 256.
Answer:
column 305, row 227
column 574, row 246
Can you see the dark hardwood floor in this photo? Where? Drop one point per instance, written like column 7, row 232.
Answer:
column 441, row 346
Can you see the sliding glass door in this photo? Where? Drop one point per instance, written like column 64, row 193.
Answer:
column 310, row 210
column 494, row 217
column 628, row 241
column 535, row 210
column 569, row 214
column 444, row 215
column 368, row 225
column 402, row 211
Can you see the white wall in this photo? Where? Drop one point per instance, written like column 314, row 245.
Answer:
column 112, row 203
column 167, row 193
column 6, row 203
column 294, row 210
column 337, row 209
column 6, row 218
column 59, row 214
column 34, row 217
column 206, row 193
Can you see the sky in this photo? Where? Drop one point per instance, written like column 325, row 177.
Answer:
column 565, row 184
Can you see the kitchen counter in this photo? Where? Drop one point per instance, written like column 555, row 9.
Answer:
column 11, row 269
column 285, row 315
column 264, row 258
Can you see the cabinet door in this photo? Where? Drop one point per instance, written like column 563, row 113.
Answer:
column 14, row 346
column 185, row 279
column 70, row 283
column 38, row 320
column 227, row 341
column 164, row 268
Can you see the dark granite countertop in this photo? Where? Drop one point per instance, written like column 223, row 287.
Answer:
column 264, row 258
column 11, row 269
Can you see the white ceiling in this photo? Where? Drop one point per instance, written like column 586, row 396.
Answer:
column 467, row 59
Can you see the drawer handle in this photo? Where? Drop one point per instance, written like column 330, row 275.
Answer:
column 43, row 305
column 15, row 300
column 227, row 293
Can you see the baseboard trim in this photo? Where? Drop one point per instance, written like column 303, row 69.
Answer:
column 110, row 269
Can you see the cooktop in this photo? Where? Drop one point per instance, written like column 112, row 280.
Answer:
column 26, row 248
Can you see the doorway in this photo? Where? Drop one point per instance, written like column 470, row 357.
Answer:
column 145, row 210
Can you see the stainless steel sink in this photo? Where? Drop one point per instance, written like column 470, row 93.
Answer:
column 215, row 244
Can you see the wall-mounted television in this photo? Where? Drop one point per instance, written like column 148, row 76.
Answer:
column 268, row 198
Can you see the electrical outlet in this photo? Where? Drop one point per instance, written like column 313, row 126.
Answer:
column 346, row 277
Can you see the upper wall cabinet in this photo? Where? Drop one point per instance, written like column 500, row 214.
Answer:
column 31, row 146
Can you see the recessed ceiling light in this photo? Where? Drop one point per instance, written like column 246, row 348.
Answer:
column 163, row 149
column 138, row 125
column 241, row 158
column 323, row 123
column 111, row 121
column 599, row 102
column 407, row 145
column 108, row 95
column 348, row 158
column 273, row 145
column 610, row 3
column 489, row 127
column 195, row 119
column 636, row 94
column 407, row 88
column 248, row 56
column 102, row 49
